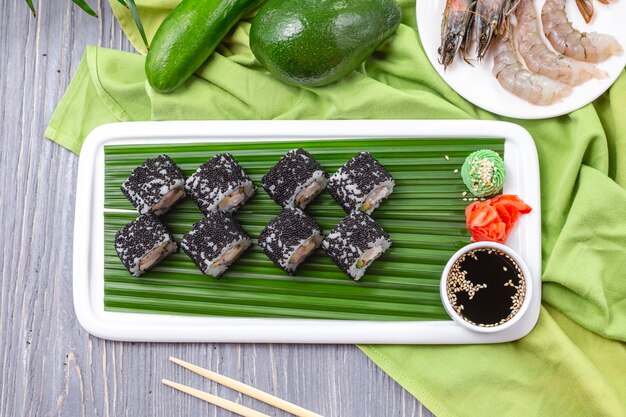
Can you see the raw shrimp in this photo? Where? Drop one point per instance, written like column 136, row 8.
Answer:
column 457, row 19
column 540, row 59
column 590, row 47
column 513, row 77
column 491, row 19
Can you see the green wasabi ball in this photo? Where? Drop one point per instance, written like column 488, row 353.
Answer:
column 483, row 173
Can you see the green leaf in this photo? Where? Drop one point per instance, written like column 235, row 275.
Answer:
column 424, row 217
column 31, row 7
column 132, row 7
column 83, row 5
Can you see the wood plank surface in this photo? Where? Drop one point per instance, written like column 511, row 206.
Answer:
column 49, row 365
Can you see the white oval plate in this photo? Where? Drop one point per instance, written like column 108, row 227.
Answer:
column 477, row 85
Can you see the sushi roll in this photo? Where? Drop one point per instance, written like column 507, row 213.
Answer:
column 220, row 184
column 355, row 243
column 155, row 186
column 215, row 243
column 295, row 180
column 143, row 243
column 290, row 238
column 361, row 184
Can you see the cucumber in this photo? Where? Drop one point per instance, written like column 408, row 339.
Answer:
column 188, row 36
column 316, row 42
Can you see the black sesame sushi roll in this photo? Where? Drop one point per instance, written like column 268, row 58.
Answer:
column 220, row 184
column 155, row 186
column 355, row 243
column 215, row 243
column 290, row 238
column 143, row 243
column 295, row 180
column 361, row 184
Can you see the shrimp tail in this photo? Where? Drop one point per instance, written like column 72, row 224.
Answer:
column 485, row 36
column 586, row 9
column 492, row 21
column 450, row 46
column 470, row 23
column 454, row 30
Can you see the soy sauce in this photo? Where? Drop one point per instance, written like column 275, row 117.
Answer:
column 486, row 287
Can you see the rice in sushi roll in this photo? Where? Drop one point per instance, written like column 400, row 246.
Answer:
column 215, row 243
column 295, row 180
column 361, row 184
column 355, row 243
column 143, row 243
column 220, row 184
column 155, row 186
column 290, row 238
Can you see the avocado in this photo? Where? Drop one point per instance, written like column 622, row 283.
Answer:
column 316, row 42
column 188, row 36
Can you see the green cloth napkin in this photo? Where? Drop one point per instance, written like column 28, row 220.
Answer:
column 574, row 362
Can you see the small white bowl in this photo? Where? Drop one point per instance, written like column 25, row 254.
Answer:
column 525, row 272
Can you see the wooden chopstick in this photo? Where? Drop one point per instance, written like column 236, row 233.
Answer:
column 247, row 390
column 215, row 400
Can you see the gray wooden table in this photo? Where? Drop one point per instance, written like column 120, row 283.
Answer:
column 49, row 365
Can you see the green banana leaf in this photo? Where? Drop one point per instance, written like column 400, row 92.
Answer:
column 424, row 217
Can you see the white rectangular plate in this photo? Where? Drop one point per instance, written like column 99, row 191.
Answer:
column 522, row 179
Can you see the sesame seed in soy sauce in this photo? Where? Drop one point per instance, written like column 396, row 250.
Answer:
column 486, row 287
